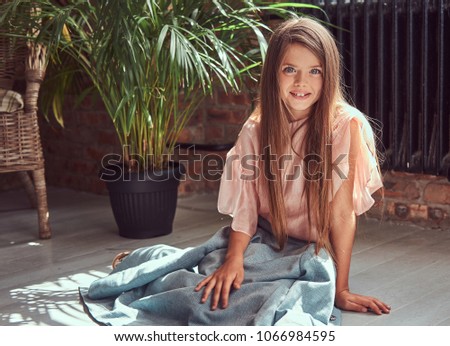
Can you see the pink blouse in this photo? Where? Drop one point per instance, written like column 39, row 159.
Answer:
column 241, row 194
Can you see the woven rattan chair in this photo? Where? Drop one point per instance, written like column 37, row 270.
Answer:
column 22, row 68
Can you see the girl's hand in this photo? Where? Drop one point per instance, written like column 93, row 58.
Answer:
column 354, row 302
column 229, row 275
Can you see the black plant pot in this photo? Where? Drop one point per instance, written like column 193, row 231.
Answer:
column 143, row 203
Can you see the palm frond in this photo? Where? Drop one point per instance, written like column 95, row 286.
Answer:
column 143, row 56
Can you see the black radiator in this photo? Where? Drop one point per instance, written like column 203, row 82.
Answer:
column 396, row 58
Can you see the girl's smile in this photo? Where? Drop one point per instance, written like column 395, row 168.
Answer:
column 300, row 80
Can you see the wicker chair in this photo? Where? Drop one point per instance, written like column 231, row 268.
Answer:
column 22, row 68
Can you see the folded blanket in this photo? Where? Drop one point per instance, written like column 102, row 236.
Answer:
column 10, row 101
column 155, row 286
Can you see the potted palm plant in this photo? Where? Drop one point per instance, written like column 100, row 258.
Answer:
column 151, row 62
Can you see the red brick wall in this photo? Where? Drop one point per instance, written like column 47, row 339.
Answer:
column 73, row 153
column 418, row 198
column 9, row 181
column 218, row 120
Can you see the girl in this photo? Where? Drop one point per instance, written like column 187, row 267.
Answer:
column 303, row 167
column 302, row 121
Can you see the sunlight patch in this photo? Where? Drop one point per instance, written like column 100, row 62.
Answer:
column 52, row 302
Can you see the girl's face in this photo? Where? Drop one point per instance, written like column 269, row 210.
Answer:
column 300, row 80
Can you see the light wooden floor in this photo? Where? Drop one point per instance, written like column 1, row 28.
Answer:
column 406, row 266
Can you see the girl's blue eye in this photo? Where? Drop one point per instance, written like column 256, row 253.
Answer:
column 316, row 71
column 289, row 69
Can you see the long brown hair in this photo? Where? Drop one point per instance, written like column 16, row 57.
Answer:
column 275, row 117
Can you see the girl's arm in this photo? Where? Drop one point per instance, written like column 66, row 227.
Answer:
column 229, row 275
column 343, row 228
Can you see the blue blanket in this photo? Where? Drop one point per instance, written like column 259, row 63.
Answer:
column 155, row 286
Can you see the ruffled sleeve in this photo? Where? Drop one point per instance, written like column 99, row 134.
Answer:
column 367, row 176
column 238, row 195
